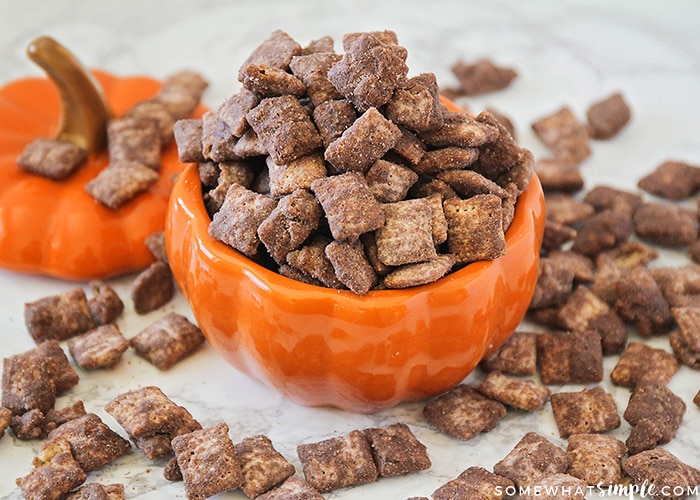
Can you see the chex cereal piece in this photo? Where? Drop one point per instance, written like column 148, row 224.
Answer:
column 475, row 230
column 249, row 145
column 482, row 76
column 236, row 224
column 420, row 273
column 583, row 266
column 364, row 142
column 682, row 351
column 678, row 283
column 389, row 181
column 351, row 265
column 230, row 172
column 297, row 174
column 662, row 469
column 233, row 111
column 402, row 218
column 666, row 224
column 567, row 210
column 396, row 450
column 608, row 273
column 588, row 411
column 659, row 404
column 5, row 419
column 99, row 348
column 152, row 288
column 208, row 461
column 557, row 175
column 554, row 486
column 564, row 135
column 104, row 303
column 608, row 116
column 555, row 281
column 574, row 357
column 276, row 51
column 59, row 316
column 607, row 197
column 168, row 340
column 416, row 104
column 55, row 473
column 409, row 147
column 208, row 172
column 370, row 70
column 97, row 491
column 262, row 466
column 645, row 435
column 516, row 356
column 218, row 143
column 673, row 180
column 460, row 130
column 474, row 482
column 59, row 416
column 120, row 182
column 332, row 118
column 92, row 442
column 28, row 383
column 29, row 425
column 311, row 260
column 349, row 206
column 584, row 311
column 596, row 458
column 52, row 158
column 603, row 231
column 631, row 254
column 463, row 412
column 449, row 158
column 151, row 419
column 688, row 321
column 639, row 300
column 284, row 128
column 518, row 393
column 532, row 458
column 322, row 44
column 134, row 139
column 294, row 488
column 268, row 81
column 338, row 462
column 468, row 183
column 188, row 137
column 312, row 70
column 181, row 92
column 64, row 376
column 290, row 223
column 640, row 362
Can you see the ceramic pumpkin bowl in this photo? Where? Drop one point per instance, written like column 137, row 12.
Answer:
column 320, row 346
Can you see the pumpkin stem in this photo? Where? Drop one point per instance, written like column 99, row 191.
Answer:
column 84, row 109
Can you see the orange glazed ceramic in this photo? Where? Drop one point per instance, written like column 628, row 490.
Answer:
column 320, row 346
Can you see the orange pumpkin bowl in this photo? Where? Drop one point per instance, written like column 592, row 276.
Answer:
column 326, row 347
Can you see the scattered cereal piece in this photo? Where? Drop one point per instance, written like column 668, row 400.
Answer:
column 603, row 231
column 52, row 158
column 56, row 417
column 28, row 383
column 555, row 280
column 463, row 412
column 134, row 140
column 608, row 116
column 99, row 348
column 574, row 357
column 645, row 435
column 641, row 363
column 153, row 287
column 659, row 404
column 262, row 466
column 666, row 224
column 294, row 488
column 188, row 137
column 673, row 180
column 482, row 76
column 5, row 419
column 683, row 352
column 58, row 316
column 588, row 411
column 564, row 135
column 168, row 340
column 516, row 356
column 567, row 210
column 515, row 392
column 474, row 482
column 120, row 182
column 606, row 197
column 532, row 458
column 596, row 458
column 104, row 303
column 662, row 469
column 97, row 491
column 156, row 112
column 557, row 175
column 639, row 300
column 55, row 473
column 396, row 450
column 338, row 462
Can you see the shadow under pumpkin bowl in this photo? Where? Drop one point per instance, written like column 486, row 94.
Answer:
column 326, row 347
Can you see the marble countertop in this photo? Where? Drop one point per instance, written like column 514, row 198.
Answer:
column 566, row 53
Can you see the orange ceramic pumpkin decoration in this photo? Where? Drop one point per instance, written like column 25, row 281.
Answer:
column 56, row 228
column 321, row 346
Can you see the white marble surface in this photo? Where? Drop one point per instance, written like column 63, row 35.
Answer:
column 566, row 52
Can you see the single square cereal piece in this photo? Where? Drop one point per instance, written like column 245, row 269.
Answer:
column 406, row 236
column 104, row 303
column 584, row 267
column 420, row 273
column 502, row 154
column 460, row 130
column 608, row 116
column 97, row 491
column 276, row 51
column 262, row 466
column 28, row 383
column 29, row 425
column 566, row 209
column 518, row 393
column 558, row 176
column 632, row 254
column 409, row 147
column 351, row 265
column 230, row 172
column 370, row 70
column 150, row 418
column 389, row 181
column 218, row 143
column 396, row 450
column 52, row 158
column 156, row 112
column 349, row 205
column 482, row 76
column 311, row 259
column 556, row 235
column 208, row 461
column 463, row 412
column 564, row 135
column 120, row 182
column 134, row 139
column 338, row 462
column 588, row 411
column 555, row 281
column 468, row 183
column 532, row 458
column 153, row 287
column 607, row 197
column 645, row 435
column 416, row 104
column 59, row 316
column 181, row 92
column 666, row 224
column 332, row 118
column 552, row 487
column 172, row 471
column 208, row 174
column 64, row 375
column 55, row 473
column 573, row 357
column 236, row 223
column 659, row 404
column 596, row 458
column 640, row 362
column 284, row 128
column 297, row 174
column 435, row 161
column 684, row 354
column 677, row 283
column 168, row 340
column 603, row 231
column 294, row 488
column 364, row 142
column 99, row 348
column 516, row 356
column 475, row 482
column 475, row 230
column 639, row 300
column 188, row 137
column 673, row 180
column 92, row 442
column 662, row 469
column 312, row 69
column 249, row 145
column 268, row 81
column 155, row 242
column 234, row 109
column 608, row 273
